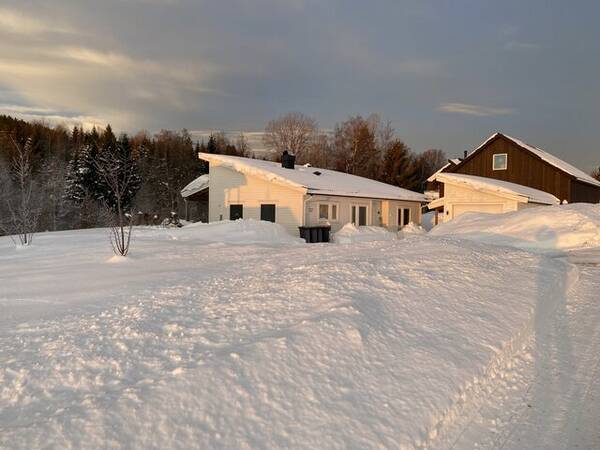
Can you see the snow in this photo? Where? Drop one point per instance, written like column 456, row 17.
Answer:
column 199, row 184
column 350, row 234
column 327, row 182
column 550, row 159
column 498, row 187
column 561, row 227
column 428, row 220
column 200, row 342
column 241, row 231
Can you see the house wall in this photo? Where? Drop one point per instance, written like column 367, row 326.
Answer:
column 583, row 192
column 379, row 212
column 230, row 187
column 523, row 168
column 461, row 198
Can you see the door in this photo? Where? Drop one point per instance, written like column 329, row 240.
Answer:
column 236, row 212
column 267, row 212
column 403, row 217
column 359, row 215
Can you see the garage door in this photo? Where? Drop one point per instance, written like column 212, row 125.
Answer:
column 492, row 208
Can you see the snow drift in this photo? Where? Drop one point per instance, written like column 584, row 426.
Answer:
column 350, row 234
column 564, row 227
column 246, row 231
column 256, row 346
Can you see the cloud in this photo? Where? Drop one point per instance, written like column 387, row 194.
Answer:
column 474, row 110
column 50, row 116
column 19, row 23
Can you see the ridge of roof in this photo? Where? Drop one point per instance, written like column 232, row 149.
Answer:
column 315, row 180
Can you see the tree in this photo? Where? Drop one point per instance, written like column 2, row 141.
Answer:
column 242, row 146
column 427, row 163
column 355, row 147
column 119, row 174
column 596, row 173
column 23, row 205
column 399, row 166
column 294, row 132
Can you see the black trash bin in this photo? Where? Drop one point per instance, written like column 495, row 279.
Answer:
column 317, row 233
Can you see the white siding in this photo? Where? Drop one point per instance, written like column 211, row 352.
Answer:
column 460, row 199
column 230, row 187
column 379, row 212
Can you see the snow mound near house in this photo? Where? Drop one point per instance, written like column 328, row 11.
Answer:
column 411, row 229
column 544, row 228
column 350, row 234
column 246, row 231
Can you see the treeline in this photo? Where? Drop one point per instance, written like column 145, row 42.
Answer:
column 367, row 147
column 65, row 188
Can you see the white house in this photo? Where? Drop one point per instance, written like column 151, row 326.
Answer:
column 470, row 193
column 295, row 196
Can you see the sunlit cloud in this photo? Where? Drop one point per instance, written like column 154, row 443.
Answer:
column 16, row 22
column 474, row 110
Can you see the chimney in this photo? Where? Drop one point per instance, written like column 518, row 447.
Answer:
column 288, row 160
column 465, row 155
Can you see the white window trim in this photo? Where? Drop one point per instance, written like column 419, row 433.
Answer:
column 329, row 211
column 494, row 161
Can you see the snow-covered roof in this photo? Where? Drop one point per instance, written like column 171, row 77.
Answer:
column 451, row 162
column 550, row 159
column 199, row 184
column 315, row 180
column 499, row 187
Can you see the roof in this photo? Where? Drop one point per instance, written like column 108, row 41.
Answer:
column 542, row 154
column 499, row 187
column 199, row 184
column 315, row 180
column 451, row 162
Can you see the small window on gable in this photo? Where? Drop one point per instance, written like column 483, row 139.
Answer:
column 323, row 212
column 500, row 161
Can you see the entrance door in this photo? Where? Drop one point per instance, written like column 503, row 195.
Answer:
column 236, row 212
column 359, row 215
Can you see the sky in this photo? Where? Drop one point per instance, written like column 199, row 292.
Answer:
column 445, row 73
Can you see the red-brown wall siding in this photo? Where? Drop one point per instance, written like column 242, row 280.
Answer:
column 583, row 192
column 523, row 168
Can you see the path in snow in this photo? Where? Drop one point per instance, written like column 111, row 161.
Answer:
column 550, row 399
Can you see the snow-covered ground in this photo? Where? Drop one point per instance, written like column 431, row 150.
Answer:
column 267, row 342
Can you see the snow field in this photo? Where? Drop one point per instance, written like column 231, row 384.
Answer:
column 192, row 344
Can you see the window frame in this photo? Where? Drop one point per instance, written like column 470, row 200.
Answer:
column 274, row 205
column 330, row 207
column 241, row 205
column 494, row 167
column 401, row 217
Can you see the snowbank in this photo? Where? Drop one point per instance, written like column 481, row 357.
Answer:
column 411, row 229
column 350, row 234
column 564, row 227
column 246, row 231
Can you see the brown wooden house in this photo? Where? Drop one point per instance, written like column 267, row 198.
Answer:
column 508, row 159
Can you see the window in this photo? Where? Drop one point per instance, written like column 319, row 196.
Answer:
column 236, row 212
column 500, row 161
column 403, row 217
column 359, row 215
column 328, row 211
column 267, row 212
column 323, row 212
